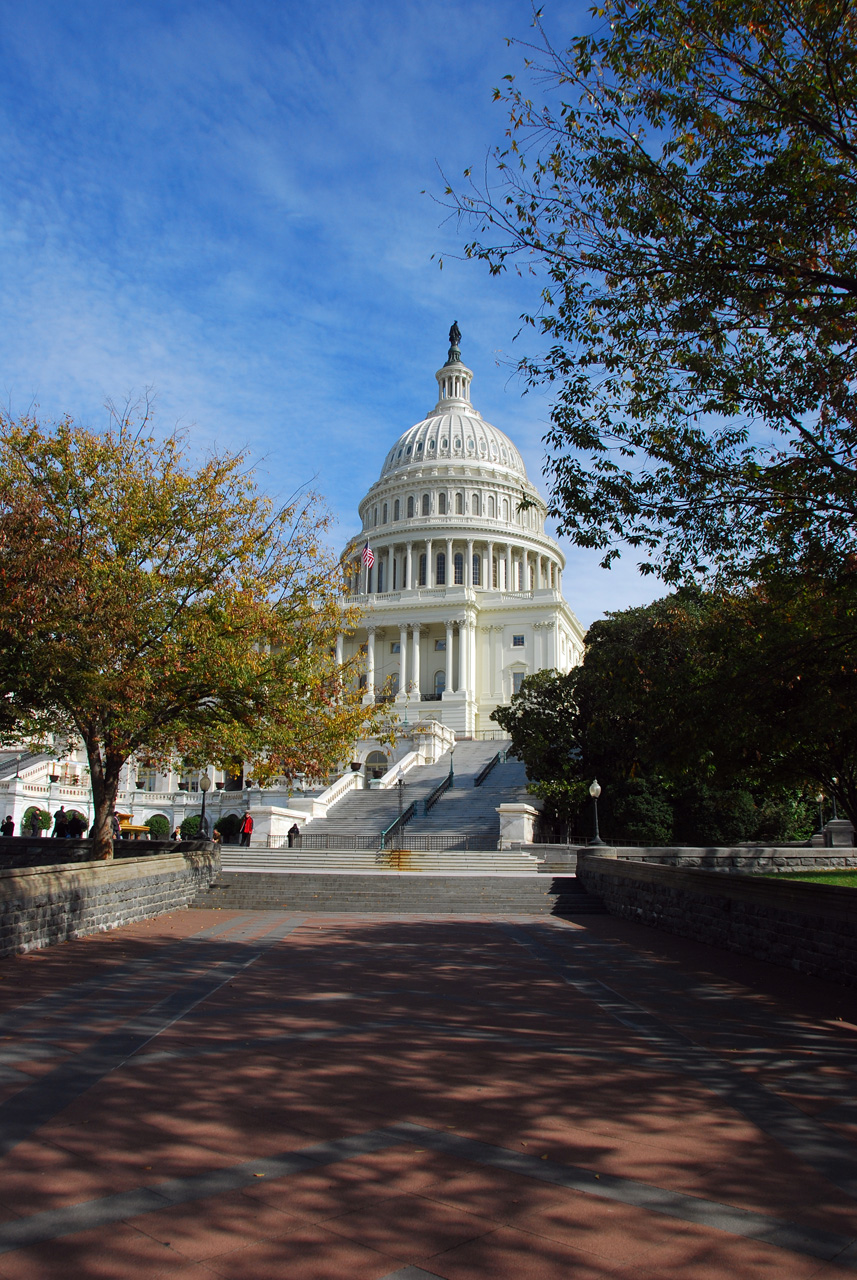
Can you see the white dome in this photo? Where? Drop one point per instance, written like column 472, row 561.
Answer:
column 453, row 433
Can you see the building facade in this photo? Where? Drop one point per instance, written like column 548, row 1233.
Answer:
column 463, row 597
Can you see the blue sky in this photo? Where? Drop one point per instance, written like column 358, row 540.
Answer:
column 224, row 202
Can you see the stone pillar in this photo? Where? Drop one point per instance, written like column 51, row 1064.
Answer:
column 449, row 637
column 415, row 665
column 429, row 570
column 509, row 586
column 498, row 663
column 468, row 567
column 450, row 573
column 403, row 658
column 369, row 696
column 339, row 643
column 408, row 573
column 489, row 582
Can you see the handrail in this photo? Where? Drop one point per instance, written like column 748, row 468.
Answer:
column 433, row 796
column 483, row 772
column 400, row 822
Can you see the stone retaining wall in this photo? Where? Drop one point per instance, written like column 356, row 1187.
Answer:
column 804, row 926
column 45, row 851
column 43, row 905
column 739, row 858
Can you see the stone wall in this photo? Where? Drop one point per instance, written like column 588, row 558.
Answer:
column 743, row 858
column 36, row 851
column 804, row 926
column 43, row 905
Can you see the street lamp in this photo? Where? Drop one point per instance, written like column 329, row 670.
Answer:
column 205, row 787
column 595, row 792
column 400, row 787
column 451, row 768
column 819, row 799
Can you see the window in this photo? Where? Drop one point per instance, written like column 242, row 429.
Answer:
column 517, row 680
column 459, row 504
column 146, row 779
column 517, row 642
column 439, row 684
column 495, row 573
column 384, row 514
column 505, row 508
column 440, row 646
column 397, row 509
column 422, row 581
column 441, row 504
column 361, row 683
column 395, row 567
column 474, row 504
column 458, row 569
column 441, row 569
column 477, row 571
column 395, row 646
column 374, row 516
column 492, row 506
column 425, row 504
column 410, row 508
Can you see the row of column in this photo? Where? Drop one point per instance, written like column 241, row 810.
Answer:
column 409, row 666
column 513, row 567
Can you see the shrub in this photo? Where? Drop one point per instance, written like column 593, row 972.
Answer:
column 229, row 828
column 159, row 827
column 44, row 817
column 190, row 827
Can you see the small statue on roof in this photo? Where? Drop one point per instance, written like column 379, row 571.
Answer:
column 454, row 334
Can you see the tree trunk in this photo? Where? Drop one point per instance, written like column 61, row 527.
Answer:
column 104, row 776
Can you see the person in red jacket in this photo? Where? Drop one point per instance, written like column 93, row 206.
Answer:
column 246, row 830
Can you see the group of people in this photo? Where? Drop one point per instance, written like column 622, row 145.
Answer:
column 71, row 826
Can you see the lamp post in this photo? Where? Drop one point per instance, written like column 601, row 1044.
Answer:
column 820, row 802
column 595, row 792
column 205, row 787
column 451, row 767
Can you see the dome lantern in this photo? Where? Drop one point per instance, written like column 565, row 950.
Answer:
column 453, row 380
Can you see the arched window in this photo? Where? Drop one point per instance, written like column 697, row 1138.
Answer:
column 410, row 508
column 477, row 571
column 384, row 514
column 441, row 504
column 439, row 684
column 492, row 507
column 474, row 504
column 441, row 569
column 458, row 568
column 459, row 504
column 422, row 581
column 397, row 509
column 495, row 573
column 374, row 516
column 505, row 508
column 425, row 504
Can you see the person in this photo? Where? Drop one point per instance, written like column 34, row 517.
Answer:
column 294, row 834
column 36, row 823
column 246, row 830
column 60, row 830
column 217, row 837
column 75, row 826
column 7, row 827
column 116, row 826
column 177, row 835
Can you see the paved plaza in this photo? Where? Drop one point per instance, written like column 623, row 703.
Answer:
column 224, row 1096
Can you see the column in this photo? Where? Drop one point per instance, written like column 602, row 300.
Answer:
column 429, row 570
column 407, row 577
column 339, row 640
column 388, row 572
column 403, row 658
column 468, row 567
column 449, row 657
column 508, row 569
column 415, row 667
column 489, row 578
column 497, row 689
column 370, row 664
column 450, row 575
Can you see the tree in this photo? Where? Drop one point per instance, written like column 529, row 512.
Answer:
column 685, row 187
column 153, row 606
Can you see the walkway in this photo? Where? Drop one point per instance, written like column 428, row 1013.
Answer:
column 249, row 1097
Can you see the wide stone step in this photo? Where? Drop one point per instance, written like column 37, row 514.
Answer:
column 398, row 893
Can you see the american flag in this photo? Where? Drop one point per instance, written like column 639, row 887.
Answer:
column 368, row 555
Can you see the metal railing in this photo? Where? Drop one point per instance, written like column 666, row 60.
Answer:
column 492, row 735
column 433, row 796
column 486, row 769
column 319, row 840
column 426, row 842
column 389, row 834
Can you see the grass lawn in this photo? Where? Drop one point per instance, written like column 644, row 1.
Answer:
column 847, row 878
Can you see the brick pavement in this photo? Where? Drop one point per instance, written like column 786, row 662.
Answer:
column 221, row 1096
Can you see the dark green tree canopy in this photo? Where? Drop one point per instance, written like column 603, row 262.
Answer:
column 685, row 187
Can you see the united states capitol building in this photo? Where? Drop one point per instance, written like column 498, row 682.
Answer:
column 464, row 597
column 461, row 601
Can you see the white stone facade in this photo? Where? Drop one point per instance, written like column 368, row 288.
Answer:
column 464, row 598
